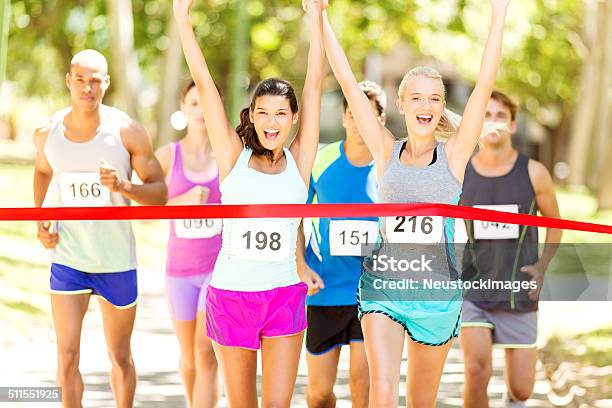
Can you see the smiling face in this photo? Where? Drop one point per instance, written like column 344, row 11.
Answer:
column 422, row 104
column 87, row 80
column 273, row 120
column 190, row 106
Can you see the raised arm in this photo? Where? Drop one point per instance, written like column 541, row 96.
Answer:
column 378, row 139
column 460, row 146
column 224, row 140
column 304, row 146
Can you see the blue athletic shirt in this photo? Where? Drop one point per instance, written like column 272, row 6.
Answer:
column 335, row 180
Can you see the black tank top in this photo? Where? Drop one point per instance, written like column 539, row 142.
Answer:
column 500, row 259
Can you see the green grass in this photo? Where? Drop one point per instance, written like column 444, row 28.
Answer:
column 592, row 348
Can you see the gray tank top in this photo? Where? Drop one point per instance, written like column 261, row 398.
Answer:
column 89, row 245
column 435, row 183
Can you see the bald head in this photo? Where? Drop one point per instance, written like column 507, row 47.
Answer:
column 91, row 59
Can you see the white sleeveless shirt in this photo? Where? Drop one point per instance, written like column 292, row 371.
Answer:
column 258, row 254
column 89, row 245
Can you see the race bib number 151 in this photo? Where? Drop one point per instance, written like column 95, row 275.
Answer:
column 347, row 236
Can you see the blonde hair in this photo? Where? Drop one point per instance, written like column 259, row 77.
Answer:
column 450, row 121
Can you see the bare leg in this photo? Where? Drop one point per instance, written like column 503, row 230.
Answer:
column 118, row 326
column 477, row 346
column 322, row 370
column 520, row 372
column 239, row 370
column 68, row 312
column 425, row 367
column 359, row 375
column 280, row 357
column 206, row 384
column 384, row 343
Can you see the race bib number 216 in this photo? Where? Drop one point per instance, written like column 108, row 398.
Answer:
column 414, row 229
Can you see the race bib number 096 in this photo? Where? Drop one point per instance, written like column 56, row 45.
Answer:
column 83, row 190
column 496, row 230
column 197, row 228
column 414, row 229
column 347, row 236
column 261, row 241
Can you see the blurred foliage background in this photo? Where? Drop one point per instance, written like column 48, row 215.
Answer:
column 557, row 62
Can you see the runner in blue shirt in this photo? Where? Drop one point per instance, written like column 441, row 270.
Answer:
column 344, row 172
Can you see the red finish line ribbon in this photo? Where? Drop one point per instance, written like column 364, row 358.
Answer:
column 293, row 211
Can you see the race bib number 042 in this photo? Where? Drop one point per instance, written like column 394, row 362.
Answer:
column 83, row 190
column 197, row 228
column 496, row 230
column 414, row 229
column 347, row 236
column 261, row 241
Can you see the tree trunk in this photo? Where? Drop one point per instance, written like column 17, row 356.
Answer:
column 126, row 73
column 239, row 77
column 600, row 139
column 605, row 117
column 585, row 117
column 170, row 87
column 5, row 12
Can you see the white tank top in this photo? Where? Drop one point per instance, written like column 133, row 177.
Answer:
column 89, row 246
column 258, row 254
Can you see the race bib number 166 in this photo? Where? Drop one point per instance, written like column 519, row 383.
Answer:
column 83, row 190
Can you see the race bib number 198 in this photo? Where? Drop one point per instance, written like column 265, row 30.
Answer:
column 414, row 229
column 261, row 241
column 83, row 190
column 496, row 230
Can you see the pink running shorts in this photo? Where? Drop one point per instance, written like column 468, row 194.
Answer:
column 242, row 319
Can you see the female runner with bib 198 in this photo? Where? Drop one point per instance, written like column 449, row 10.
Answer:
column 416, row 169
column 192, row 177
column 256, row 299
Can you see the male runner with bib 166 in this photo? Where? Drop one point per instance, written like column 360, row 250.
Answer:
column 85, row 155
